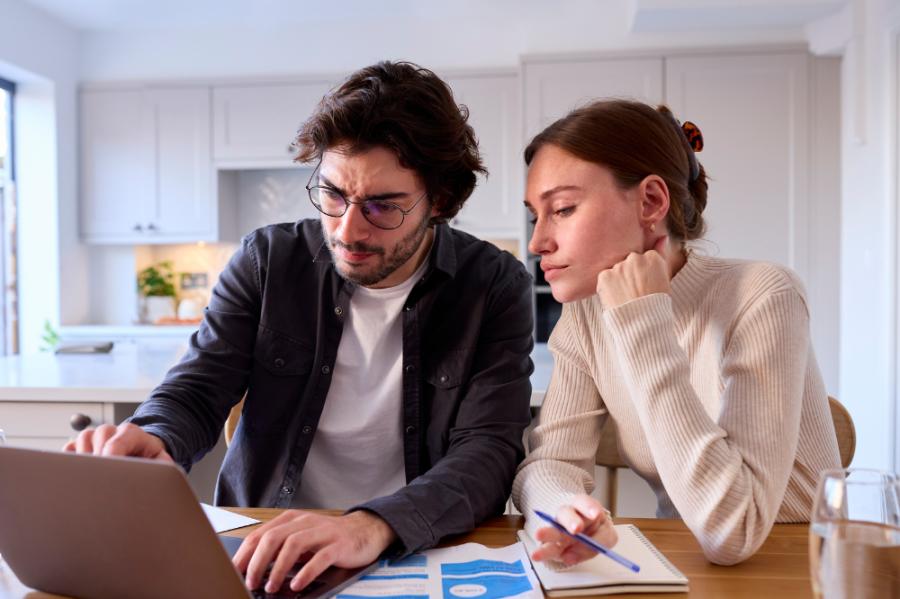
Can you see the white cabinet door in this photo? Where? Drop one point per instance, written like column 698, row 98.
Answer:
column 753, row 111
column 257, row 123
column 494, row 209
column 117, row 163
column 184, row 204
column 554, row 88
column 146, row 167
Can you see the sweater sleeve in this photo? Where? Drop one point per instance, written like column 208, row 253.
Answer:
column 726, row 472
column 563, row 446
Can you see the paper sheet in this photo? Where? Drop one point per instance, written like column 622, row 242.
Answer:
column 223, row 520
column 469, row 570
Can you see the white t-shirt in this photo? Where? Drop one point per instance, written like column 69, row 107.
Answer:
column 357, row 450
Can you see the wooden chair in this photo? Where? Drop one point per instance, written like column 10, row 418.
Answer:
column 608, row 451
column 234, row 416
column 844, row 429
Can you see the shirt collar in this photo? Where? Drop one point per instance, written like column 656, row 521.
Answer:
column 443, row 252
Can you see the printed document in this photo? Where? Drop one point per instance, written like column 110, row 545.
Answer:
column 469, row 570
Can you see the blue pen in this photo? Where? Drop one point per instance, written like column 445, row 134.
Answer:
column 590, row 542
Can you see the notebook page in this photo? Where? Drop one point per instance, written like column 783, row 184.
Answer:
column 600, row 570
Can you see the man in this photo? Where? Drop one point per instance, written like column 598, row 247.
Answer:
column 384, row 355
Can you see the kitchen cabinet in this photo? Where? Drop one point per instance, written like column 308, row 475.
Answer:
column 756, row 114
column 50, row 425
column 146, row 174
column 554, row 87
column 494, row 210
column 254, row 125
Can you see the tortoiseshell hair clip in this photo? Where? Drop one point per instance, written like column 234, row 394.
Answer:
column 693, row 135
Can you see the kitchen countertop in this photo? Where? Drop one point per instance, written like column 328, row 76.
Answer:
column 125, row 375
column 131, row 370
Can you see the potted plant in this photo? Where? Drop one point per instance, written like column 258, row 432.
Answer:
column 157, row 292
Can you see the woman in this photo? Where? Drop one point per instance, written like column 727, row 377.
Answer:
column 704, row 364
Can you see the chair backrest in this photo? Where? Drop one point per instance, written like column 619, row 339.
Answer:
column 608, row 450
column 844, row 429
column 231, row 423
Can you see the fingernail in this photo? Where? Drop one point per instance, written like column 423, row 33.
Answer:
column 271, row 588
column 594, row 512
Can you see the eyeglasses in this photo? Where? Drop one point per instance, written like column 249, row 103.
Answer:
column 381, row 213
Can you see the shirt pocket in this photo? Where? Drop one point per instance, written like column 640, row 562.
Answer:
column 445, row 378
column 278, row 381
column 447, row 370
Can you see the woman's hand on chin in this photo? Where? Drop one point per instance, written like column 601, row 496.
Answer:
column 639, row 274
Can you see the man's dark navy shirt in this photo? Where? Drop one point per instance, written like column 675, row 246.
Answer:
column 272, row 330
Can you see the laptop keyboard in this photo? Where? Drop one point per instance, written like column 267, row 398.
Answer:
column 311, row 589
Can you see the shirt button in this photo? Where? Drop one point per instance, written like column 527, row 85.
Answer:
column 307, row 429
column 326, row 369
column 444, row 378
column 410, row 430
column 409, row 368
column 408, row 308
column 287, row 490
column 338, row 310
column 279, row 363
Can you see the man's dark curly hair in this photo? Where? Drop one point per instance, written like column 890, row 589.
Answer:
column 409, row 110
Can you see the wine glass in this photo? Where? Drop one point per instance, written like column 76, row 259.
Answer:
column 854, row 535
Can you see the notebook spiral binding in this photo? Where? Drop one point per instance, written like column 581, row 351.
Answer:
column 662, row 558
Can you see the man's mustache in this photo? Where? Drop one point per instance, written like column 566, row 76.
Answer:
column 357, row 247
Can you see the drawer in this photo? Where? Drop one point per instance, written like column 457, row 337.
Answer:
column 47, row 443
column 45, row 419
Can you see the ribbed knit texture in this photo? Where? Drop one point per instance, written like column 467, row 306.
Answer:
column 717, row 396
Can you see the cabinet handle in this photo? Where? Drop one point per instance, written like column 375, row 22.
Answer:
column 138, row 228
column 151, row 227
column 79, row 422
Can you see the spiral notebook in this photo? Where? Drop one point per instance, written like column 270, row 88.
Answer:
column 602, row 576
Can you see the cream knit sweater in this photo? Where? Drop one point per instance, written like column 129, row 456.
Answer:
column 716, row 394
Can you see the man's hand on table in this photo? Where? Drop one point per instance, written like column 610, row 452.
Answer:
column 347, row 541
column 123, row 440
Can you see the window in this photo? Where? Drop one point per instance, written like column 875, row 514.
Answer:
column 8, row 304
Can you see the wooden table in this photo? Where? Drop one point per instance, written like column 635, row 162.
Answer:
column 779, row 570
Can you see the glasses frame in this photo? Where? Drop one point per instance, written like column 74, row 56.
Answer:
column 363, row 204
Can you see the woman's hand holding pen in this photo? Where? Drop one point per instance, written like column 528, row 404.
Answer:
column 639, row 274
column 584, row 515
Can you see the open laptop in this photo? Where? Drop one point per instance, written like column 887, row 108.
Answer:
column 109, row 528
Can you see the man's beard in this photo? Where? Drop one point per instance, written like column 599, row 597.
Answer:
column 387, row 262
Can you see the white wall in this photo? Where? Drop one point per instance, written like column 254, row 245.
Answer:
column 866, row 34
column 41, row 56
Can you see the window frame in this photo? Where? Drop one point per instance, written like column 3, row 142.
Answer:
column 10, row 87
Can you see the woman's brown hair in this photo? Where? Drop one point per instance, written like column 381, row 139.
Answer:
column 409, row 110
column 634, row 140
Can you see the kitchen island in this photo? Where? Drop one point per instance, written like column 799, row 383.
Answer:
column 46, row 398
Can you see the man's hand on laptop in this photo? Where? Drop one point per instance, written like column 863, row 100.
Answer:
column 124, row 440
column 347, row 541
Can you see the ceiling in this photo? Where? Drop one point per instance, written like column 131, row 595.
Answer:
column 646, row 15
